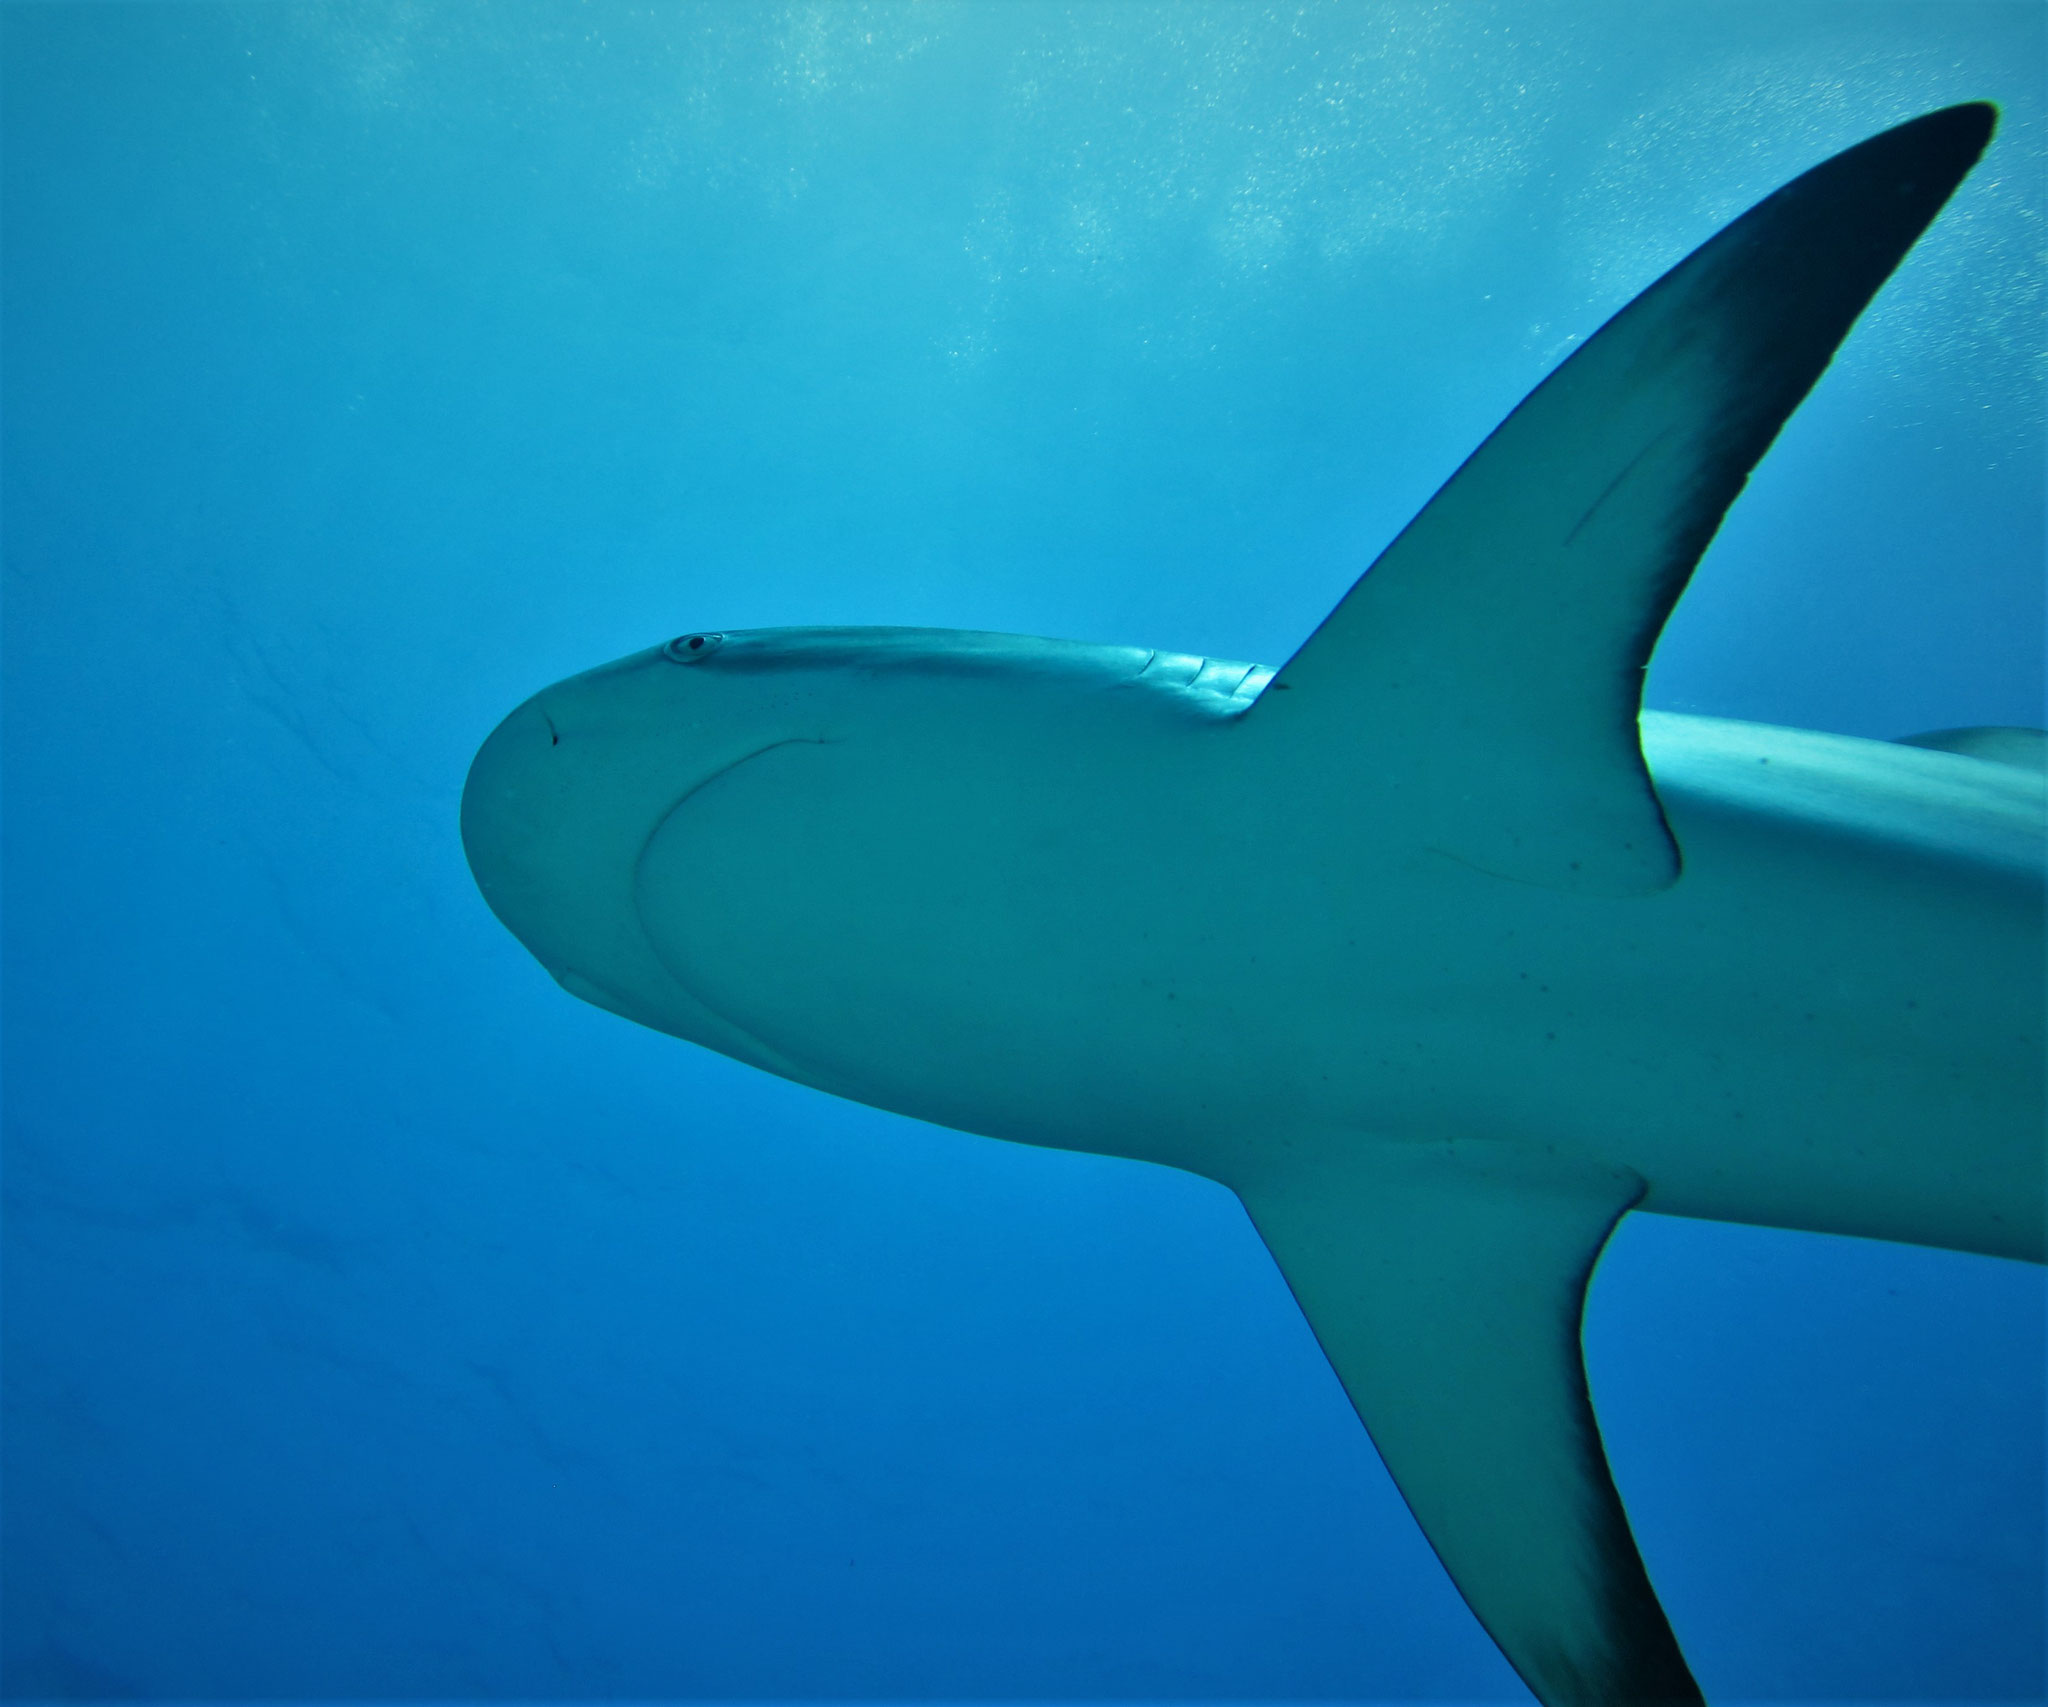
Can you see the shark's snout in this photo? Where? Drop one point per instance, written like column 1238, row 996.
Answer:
column 559, row 804
column 507, row 808
column 524, row 738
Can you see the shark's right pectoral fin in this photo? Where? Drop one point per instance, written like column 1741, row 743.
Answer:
column 1446, row 1285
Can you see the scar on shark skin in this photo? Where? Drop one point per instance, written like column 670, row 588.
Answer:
column 1469, row 955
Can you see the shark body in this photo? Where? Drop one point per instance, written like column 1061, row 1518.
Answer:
column 1430, row 945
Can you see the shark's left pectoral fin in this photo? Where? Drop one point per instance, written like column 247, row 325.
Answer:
column 1445, row 1284
column 1476, row 692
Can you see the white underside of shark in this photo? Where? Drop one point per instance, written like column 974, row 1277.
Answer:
column 1430, row 946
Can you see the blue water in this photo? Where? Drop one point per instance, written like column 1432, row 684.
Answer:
column 380, row 1321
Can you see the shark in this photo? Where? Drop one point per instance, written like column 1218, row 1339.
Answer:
column 1432, row 944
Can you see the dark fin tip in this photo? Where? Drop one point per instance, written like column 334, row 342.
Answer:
column 1968, row 127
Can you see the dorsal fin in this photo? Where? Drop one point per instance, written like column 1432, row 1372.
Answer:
column 1483, row 679
column 1999, row 744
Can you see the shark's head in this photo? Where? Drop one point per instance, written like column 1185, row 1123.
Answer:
column 566, row 792
column 566, row 797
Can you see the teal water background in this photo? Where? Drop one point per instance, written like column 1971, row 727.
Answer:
column 381, row 1322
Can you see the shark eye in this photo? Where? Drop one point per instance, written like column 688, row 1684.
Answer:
column 692, row 648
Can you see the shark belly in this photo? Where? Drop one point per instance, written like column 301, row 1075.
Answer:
column 1829, row 1023
column 1857, row 947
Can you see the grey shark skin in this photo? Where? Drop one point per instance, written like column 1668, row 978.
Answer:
column 1430, row 946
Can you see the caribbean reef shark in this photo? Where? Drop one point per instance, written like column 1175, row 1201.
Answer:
column 1431, row 945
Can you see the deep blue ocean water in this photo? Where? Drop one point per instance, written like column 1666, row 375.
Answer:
column 382, row 1322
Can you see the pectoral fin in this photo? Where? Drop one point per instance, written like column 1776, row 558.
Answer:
column 1446, row 1283
column 1480, row 685
column 2023, row 749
